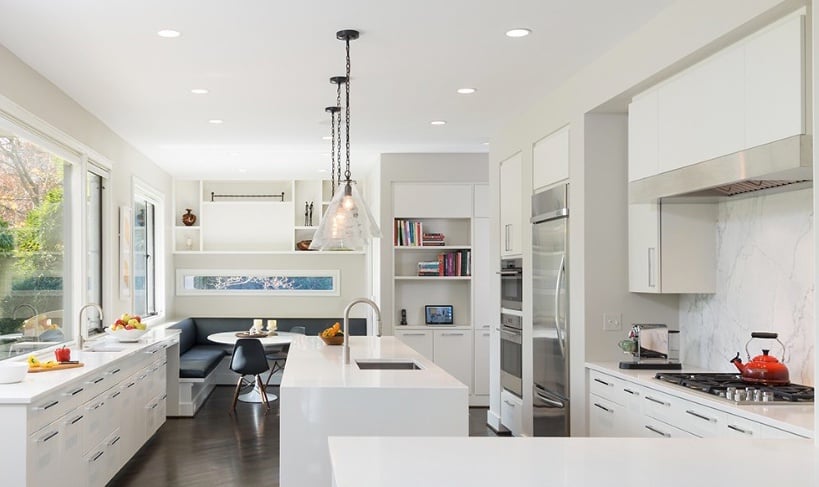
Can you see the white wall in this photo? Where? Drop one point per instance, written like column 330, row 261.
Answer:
column 36, row 95
column 765, row 258
column 683, row 34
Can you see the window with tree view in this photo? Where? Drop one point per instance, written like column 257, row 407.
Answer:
column 33, row 233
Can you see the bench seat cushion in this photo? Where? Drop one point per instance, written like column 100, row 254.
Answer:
column 199, row 361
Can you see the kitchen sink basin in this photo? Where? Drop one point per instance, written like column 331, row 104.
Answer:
column 388, row 365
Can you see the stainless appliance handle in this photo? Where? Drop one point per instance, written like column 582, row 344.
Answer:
column 506, row 238
column 511, row 336
column 560, row 339
column 652, row 257
column 515, row 272
column 551, row 402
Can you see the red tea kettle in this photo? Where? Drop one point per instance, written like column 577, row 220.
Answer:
column 763, row 369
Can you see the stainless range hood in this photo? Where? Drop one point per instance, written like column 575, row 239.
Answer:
column 782, row 164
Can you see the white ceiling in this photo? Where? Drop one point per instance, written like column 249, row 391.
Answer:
column 267, row 64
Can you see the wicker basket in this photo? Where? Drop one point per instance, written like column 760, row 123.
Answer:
column 336, row 340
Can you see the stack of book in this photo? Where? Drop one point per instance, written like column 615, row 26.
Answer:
column 433, row 240
column 449, row 264
column 407, row 233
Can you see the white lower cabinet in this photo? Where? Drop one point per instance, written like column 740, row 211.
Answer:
column 449, row 349
column 512, row 412
column 84, row 433
column 622, row 408
column 482, row 362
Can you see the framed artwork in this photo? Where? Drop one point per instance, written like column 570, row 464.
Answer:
column 125, row 252
column 253, row 282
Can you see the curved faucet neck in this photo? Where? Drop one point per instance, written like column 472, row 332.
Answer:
column 369, row 302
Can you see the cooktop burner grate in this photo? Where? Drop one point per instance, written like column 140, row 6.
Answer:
column 731, row 387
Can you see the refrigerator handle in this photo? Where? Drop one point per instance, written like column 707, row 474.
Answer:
column 551, row 402
column 560, row 339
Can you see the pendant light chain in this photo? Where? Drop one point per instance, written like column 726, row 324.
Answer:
column 338, row 128
column 347, row 112
column 333, row 153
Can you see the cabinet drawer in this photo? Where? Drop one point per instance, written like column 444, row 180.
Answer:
column 700, row 420
column 606, row 419
column 652, row 428
column 770, row 432
column 737, row 427
column 512, row 413
column 660, row 406
column 604, row 385
column 47, row 409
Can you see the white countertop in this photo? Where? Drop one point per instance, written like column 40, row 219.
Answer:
column 570, row 462
column 312, row 363
column 796, row 418
column 36, row 384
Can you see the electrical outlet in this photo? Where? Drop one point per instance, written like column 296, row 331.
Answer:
column 612, row 321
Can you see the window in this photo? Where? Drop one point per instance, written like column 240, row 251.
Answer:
column 95, row 178
column 146, row 226
column 35, row 224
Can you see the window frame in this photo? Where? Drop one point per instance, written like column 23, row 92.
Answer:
column 143, row 191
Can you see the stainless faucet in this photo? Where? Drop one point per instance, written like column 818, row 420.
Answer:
column 34, row 315
column 80, row 338
column 347, row 324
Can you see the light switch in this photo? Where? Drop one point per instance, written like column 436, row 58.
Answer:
column 612, row 321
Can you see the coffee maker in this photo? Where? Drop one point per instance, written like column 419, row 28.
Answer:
column 648, row 345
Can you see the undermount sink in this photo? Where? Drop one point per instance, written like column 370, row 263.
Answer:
column 388, row 365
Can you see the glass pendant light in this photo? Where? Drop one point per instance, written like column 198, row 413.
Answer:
column 348, row 223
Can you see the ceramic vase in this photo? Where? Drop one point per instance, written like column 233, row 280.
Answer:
column 188, row 218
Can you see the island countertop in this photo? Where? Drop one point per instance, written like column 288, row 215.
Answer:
column 311, row 363
column 570, row 462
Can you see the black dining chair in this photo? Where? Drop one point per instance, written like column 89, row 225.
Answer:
column 279, row 356
column 249, row 359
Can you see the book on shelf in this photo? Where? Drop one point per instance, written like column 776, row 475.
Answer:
column 457, row 263
column 407, row 233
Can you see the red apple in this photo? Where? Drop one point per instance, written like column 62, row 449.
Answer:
column 129, row 327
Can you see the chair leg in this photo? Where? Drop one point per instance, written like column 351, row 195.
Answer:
column 236, row 393
column 263, row 391
column 276, row 367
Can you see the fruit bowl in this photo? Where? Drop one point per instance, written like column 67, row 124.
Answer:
column 123, row 335
column 12, row 372
column 335, row 340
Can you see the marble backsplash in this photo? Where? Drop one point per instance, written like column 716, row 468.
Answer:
column 764, row 283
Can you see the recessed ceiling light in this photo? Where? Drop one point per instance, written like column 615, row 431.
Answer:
column 521, row 32
column 438, row 122
column 168, row 33
column 199, row 91
column 466, row 91
column 216, row 121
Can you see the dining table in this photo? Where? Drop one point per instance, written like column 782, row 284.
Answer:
column 268, row 340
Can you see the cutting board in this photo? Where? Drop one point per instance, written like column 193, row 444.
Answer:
column 55, row 367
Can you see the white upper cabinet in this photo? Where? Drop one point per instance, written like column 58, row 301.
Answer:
column 481, row 203
column 550, row 159
column 428, row 200
column 775, row 83
column 750, row 93
column 511, row 206
column 642, row 136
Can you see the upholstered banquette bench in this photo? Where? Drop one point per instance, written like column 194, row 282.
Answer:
column 204, row 364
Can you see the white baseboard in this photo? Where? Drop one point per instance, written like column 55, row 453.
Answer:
column 494, row 422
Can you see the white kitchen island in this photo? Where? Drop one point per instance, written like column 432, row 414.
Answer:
column 571, row 462
column 321, row 397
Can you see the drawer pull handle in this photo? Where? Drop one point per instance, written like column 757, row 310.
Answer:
column 155, row 405
column 602, row 382
column 634, row 393
column 96, row 457
column 49, row 405
column 114, row 371
column 604, row 408
column 657, row 401
column 76, row 391
column 737, row 428
column 164, row 396
column 77, row 419
column 114, row 441
column 661, row 433
column 115, row 394
column 510, row 404
column 98, row 380
column 49, row 436
column 413, row 334
column 97, row 406
column 452, row 334
column 132, row 384
column 701, row 416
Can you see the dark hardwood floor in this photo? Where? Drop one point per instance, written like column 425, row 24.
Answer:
column 216, row 448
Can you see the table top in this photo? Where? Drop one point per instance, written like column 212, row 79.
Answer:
column 230, row 338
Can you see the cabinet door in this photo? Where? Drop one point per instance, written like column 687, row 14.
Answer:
column 511, row 206
column 550, row 159
column 775, row 86
column 418, row 340
column 453, row 353
column 482, row 361
column 432, row 200
column 606, row 419
column 643, row 247
column 44, row 461
column 701, row 111
column 642, row 136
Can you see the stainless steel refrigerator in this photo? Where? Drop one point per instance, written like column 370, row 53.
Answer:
column 550, row 318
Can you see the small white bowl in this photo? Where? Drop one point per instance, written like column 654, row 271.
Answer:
column 11, row 372
column 126, row 335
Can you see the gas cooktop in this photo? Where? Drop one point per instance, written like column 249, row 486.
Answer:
column 730, row 387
